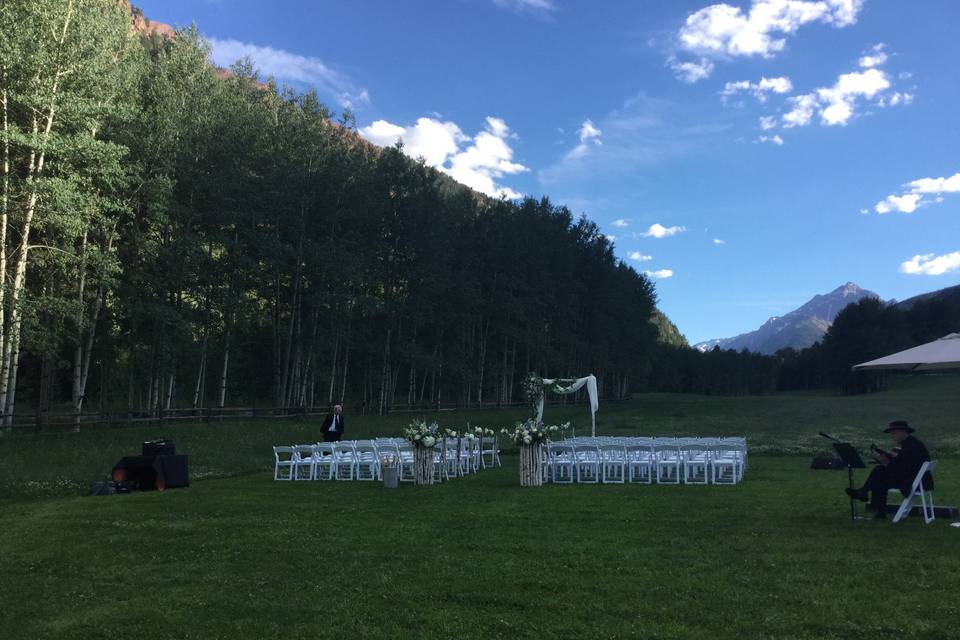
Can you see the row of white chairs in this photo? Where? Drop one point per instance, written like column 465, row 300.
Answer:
column 646, row 460
column 365, row 459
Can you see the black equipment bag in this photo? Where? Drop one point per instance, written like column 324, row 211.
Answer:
column 159, row 448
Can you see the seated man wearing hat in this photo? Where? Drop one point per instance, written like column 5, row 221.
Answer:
column 895, row 471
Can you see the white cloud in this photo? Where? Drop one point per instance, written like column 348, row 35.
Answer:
column 760, row 89
column 719, row 241
column 864, row 211
column 539, row 7
column 641, row 132
column 875, row 57
column 915, row 190
column 838, row 102
column 657, row 230
column 660, row 274
column 691, row 72
column 724, row 31
column 622, row 222
column 611, row 237
column 899, row 98
column 777, row 140
column 904, row 204
column 291, row 67
column 589, row 135
column 936, row 185
column 931, row 265
column 485, row 159
column 767, row 122
column 803, row 108
column 639, row 257
column 836, row 105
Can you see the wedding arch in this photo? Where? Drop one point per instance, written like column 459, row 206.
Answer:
column 564, row 386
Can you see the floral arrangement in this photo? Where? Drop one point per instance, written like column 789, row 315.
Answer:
column 532, row 388
column 421, row 434
column 477, row 432
column 389, row 461
column 529, row 433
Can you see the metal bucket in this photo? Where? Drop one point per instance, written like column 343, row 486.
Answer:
column 391, row 477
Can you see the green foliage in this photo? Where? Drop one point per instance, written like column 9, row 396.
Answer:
column 247, row 247
column 667, row 332
column 481, row 550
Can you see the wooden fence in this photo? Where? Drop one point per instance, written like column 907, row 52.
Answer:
column 60, row 422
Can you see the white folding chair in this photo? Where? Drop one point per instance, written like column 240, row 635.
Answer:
column 344, row 462
column 303, row 461
column 696, row 463
column 668, row 461
column 323, row 461
column 561, row 460
column 613, row 461
column 441, row 466
column 726, row 463
column 587, row 463
column 367, row 463
column 407, row 454
column 640, row 461
column 489, row 449
column 917, row 490
column 283, row 460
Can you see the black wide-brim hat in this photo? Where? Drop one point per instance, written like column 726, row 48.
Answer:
column 899, row 425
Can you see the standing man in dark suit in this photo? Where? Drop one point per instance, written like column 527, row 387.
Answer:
column 333, row 425
column 896, row 470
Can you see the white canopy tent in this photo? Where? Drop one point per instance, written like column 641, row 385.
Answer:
column 571, row 385
column 939, row 354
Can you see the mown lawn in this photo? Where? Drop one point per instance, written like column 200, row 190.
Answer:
column 240, row 556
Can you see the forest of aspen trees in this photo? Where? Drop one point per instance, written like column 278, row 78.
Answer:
column 175, row 235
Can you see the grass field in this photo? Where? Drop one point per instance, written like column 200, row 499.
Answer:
column 240, row 556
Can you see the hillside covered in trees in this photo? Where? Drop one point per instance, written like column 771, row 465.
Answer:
column 176, row 236
column 862, row 331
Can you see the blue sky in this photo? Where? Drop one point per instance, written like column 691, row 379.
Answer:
column 746, row 155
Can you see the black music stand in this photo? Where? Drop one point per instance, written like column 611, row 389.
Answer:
column 853, row 461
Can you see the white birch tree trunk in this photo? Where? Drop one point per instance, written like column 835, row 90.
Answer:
column 531, row 465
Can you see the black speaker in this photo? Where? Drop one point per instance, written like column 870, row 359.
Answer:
column 159, row 448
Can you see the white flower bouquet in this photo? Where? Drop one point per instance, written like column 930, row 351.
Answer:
column 529, row 433
column 421, row 434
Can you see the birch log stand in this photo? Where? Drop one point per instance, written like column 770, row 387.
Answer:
column 531, row 465
column 423, row 466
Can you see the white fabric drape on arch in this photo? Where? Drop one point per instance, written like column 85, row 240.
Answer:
column 590, row 381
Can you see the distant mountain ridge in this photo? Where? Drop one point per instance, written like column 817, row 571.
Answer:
column 798, row 329
column 948, row 294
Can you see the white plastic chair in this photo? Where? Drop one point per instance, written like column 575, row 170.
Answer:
column 696, row 463
column 303, row 461
column 407, row 454
column 668, row 461
column 489, row 449
column 561, row 460
column 284, row 459
column 613, row 459
column 640, row 462
column 323, row 461
column 344, row 461
column 587, row 463
column 367, row 462
column 917, row 491
column 726, row 464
